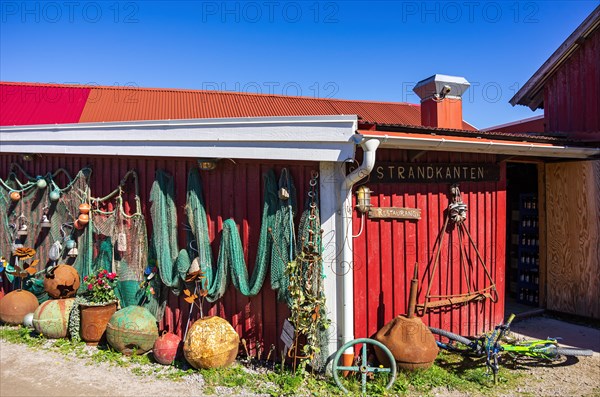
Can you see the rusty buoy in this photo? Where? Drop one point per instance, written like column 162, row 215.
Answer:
column 15, row 305
column 211, row 342
column 62, row 282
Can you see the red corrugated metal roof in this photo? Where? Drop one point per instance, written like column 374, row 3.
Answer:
column 37, row 104
column 106, row 103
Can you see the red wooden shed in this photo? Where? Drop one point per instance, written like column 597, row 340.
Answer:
column 409, row 155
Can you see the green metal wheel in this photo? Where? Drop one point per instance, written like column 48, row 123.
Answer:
column 363, row 366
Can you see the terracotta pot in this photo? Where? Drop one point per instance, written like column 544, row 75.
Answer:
column 15, row 305
column 132, row 329
column 94, row 320
column 62, row 282
column 84, row 208
column 211, row 342
column 166, row 348
column 51, row 318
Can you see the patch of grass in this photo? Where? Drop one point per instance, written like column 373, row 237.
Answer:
column 450, row 372
column 22, row 335
column 233, row 377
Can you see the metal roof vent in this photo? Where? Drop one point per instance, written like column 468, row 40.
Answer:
column 441, row 86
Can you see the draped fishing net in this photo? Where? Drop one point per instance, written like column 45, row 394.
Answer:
column 121, row 245
column 28, row 212
column 275, row 235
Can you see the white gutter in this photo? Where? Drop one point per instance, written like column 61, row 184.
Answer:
column 310, row 138
column 369, row 148
column 483, row 145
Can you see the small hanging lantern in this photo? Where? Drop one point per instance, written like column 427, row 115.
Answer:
column 23, row 229
column 73, row 252
column 41, row 183
column 15, row 196
column 55, row 195
column 207, row 164
column 71, row 245
column 45, row 223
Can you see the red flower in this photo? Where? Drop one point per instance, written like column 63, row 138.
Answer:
column 111, row 276
column 90, row 286
column 100, row 275
column 85, row 278
column 100, row 282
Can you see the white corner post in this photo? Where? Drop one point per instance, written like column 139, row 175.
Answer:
column 330, row 179
column 346, row 262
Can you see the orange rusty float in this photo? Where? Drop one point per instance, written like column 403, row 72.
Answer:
column 15, row 305
column 62, row 282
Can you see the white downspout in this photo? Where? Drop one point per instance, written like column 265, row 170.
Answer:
column 369, row 147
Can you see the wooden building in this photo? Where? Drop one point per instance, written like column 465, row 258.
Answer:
column 408, row 155
column 566, row 86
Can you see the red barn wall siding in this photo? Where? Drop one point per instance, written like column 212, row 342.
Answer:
column 232, row 190
column 571, row 102
column 386, row 251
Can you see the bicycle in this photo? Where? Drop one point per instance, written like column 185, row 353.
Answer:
column 493, row 345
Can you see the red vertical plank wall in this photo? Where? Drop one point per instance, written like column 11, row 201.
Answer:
column 386, row 251
column 571, row 102
column 233, row 190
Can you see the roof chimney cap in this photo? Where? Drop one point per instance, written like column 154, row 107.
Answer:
column 441, row 86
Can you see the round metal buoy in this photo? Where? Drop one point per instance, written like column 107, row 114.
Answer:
column 166, row 348
column 15, row 196
column 410, row 341
column 211, row 342
column 41, row 183
column 62, row 281
column 28, row 320
column 15, row 305
column 54, row 195
column 51, row 318
column 132, row 329
column 84, row 208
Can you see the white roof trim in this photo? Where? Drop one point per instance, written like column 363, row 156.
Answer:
column 483, row 145
column 313, row 138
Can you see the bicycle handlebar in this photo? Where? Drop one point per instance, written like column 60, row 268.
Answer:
column 510, row 320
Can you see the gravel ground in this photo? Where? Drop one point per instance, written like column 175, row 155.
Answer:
column 58, row 375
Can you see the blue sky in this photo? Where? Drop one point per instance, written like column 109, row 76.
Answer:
column 340, row 49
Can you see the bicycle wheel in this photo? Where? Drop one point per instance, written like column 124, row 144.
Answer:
column 451, row 336
column 568, row 351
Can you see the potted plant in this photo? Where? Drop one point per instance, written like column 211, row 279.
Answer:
column 100, row 304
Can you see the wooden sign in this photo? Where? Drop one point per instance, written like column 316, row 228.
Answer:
column 434, row 172
column 395, row 213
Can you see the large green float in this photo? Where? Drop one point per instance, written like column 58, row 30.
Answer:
column 132, row 330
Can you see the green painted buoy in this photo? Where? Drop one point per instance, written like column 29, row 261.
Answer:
column 132, row 329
